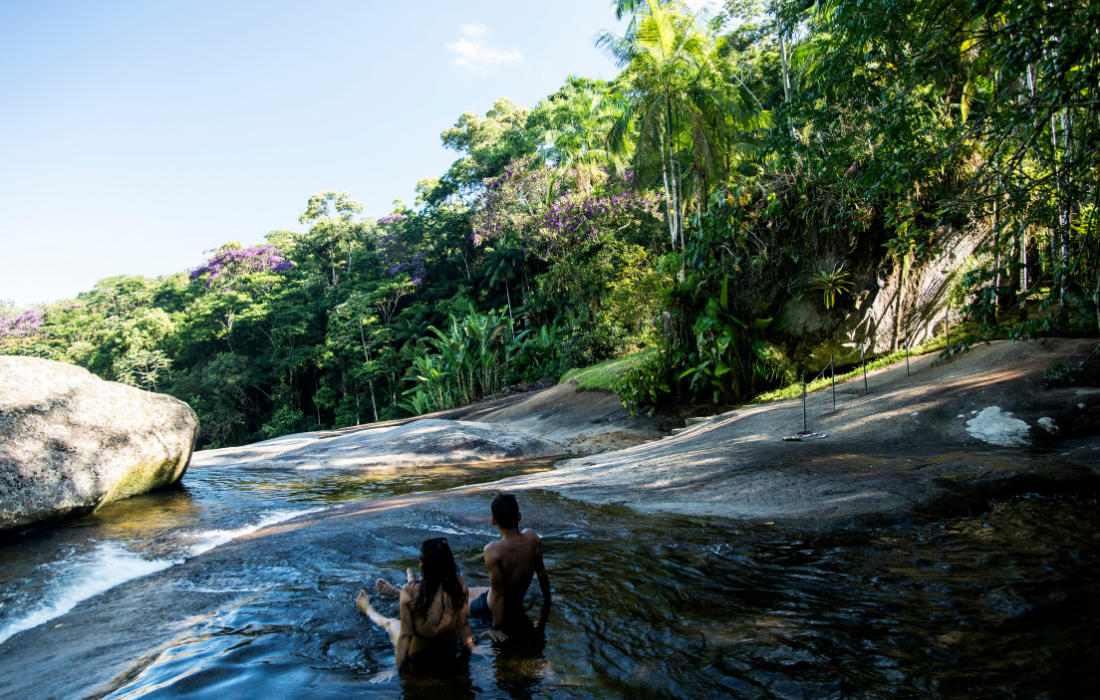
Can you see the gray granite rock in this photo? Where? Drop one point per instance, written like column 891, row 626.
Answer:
column 70, row 441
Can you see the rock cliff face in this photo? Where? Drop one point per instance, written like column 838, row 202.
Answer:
column 879, row 306
column 70, row 441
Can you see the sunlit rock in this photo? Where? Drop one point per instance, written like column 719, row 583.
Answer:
column 70, row 441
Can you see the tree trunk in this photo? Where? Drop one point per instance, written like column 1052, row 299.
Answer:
column 668, row 194
column 997, row 248
column 373, row 404
column 510, row 316
column 783, row 61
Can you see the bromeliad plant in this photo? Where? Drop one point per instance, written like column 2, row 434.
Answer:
column 831, row 284
column 731, row 356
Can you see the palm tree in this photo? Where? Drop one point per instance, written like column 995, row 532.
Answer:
column 581, row 115
column 678, row 103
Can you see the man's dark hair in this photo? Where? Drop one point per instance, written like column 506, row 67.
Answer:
column 506, row 510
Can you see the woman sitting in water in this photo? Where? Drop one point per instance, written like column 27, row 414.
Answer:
column 433, row 609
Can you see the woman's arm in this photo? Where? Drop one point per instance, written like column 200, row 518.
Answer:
column 540, row 571
column 463, row 624
column 404, row 639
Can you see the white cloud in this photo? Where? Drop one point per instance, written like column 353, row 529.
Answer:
column 474, row 56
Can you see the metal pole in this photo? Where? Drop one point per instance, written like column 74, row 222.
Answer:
column 907, row 353
column 832, row 370
column 804, row 428
column 947, row 326
column 864, row 355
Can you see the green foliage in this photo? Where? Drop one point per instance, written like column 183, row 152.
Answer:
column 645, row 386
column 1060, row 375
column 476, row 356
column 831, row 284
column 286, row 420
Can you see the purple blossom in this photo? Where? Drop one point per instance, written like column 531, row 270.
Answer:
column 415, row 268
column 391, row 218
column 26, row 323
column 512, row 204
column 232, row 263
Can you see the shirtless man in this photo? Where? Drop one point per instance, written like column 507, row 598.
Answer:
column 433, row 609
column 511, row 561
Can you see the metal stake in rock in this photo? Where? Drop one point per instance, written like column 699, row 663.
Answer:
column 832, row 371
column 947, row 327
column 804, row 428
column 863, row 352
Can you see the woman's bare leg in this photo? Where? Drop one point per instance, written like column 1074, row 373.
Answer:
column 391, row 625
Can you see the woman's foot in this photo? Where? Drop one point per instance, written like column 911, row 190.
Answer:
column 363, row 603
column 386, row 588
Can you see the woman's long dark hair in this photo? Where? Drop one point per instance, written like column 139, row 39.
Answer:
column 439, row 570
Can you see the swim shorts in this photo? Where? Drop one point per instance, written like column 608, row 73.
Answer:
column 479, row 606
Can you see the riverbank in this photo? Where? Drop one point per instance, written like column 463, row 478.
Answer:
column 938, row 437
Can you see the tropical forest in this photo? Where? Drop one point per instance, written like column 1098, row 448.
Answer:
column 744, row 170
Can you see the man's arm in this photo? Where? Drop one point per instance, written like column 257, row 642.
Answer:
column 496, row 594
column 540, row 571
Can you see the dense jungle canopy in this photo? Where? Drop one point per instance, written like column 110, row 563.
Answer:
column 743, row 157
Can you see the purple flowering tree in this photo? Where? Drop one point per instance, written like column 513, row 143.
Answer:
column 22, row 325
column 231, row 263
column 393, row 249
column 551, row 212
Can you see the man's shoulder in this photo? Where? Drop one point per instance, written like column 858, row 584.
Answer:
column 531, row 535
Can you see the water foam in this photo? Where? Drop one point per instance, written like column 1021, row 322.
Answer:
column 109, row 564
column 209, row 539
column 105, row 567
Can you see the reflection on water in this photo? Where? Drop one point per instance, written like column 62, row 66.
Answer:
column 46, row 571
column 1004, row 604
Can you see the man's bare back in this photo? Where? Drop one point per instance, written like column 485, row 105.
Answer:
column 512, row 561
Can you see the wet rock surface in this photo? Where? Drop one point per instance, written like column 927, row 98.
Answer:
column 70, row 441
column 998, row 603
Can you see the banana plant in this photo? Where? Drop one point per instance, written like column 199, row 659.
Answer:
column 731, row 354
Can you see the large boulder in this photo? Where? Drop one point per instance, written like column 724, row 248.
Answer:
column 70, row 441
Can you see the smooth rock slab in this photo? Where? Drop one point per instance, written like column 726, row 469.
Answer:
column 420, row 443
column 70, row 441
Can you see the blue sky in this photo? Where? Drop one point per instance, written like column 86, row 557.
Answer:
column 136, row 135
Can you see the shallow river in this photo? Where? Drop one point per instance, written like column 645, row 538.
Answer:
column 1003, row 603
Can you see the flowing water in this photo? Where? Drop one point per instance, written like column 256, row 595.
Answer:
column 1002, row 603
